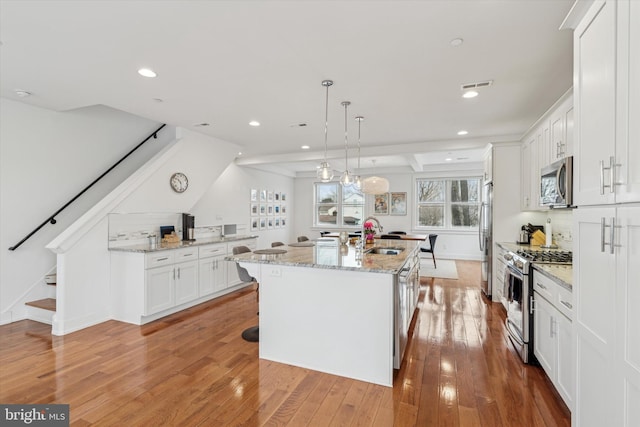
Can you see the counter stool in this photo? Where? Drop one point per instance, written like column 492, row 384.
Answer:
column 432, row 242
column 251, row 334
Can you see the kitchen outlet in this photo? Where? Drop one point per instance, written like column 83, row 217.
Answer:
column 275, row 272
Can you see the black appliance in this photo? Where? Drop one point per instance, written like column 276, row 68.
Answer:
column 188, row 227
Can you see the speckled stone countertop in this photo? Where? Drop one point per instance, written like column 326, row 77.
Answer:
column 561, row 273
column 329, row 254
column 144, row 248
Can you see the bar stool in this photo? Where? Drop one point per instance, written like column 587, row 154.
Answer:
column 251, row 334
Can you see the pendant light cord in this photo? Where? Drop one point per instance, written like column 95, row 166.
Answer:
column 346, row 144
column 326, row 83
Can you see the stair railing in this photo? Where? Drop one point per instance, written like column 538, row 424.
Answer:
column 52, row 218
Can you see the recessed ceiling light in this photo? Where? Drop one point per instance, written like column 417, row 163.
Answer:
column 305, row 147
column 201, row 125
column 146, row 72
column 462, row 132
column 22, row 93
column 254, row 123
column 470, row 94
column 456, row 42
column 239, row 153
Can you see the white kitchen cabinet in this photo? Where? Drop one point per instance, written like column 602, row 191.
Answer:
column 551, row 139
column 553, row 342
column 186, row 284
column 488, row 166
column 149, row 285
column 607, row 294
column 607, row 104
column 158, row 289
column 212, row 269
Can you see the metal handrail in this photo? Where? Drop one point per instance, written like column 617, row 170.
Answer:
column 52, row 218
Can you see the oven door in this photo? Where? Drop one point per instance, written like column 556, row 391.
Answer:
column 517, row 322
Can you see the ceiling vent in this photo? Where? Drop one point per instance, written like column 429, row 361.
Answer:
column 476, row 85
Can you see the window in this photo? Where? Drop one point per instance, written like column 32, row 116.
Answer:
column 337, row 206
column 447, row 203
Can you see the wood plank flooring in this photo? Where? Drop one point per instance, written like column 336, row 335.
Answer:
column 193, row 369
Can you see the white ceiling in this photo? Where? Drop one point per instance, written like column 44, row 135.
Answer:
column 229, row 62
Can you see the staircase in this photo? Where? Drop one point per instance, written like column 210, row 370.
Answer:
column 42, row 310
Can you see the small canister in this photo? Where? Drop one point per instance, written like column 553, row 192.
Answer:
column 153, row 241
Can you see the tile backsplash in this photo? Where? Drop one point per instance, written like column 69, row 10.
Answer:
column 561, row 222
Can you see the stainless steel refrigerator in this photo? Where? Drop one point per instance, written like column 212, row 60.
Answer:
column 485, row 238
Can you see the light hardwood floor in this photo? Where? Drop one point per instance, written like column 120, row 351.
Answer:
column 193, row 368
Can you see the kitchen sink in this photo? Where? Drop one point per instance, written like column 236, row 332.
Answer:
column 384, row 251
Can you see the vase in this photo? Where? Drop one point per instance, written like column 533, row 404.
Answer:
column 369, row 238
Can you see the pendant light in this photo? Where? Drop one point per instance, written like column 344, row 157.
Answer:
column 357, row 179
column 375, row 184
column 346, row 179
column 325, row 173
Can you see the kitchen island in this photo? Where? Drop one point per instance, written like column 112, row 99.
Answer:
column 330, row 308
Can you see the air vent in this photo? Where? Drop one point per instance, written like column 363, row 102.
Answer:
column 476, row 85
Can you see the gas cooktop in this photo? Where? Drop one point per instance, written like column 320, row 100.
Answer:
column 546, row 257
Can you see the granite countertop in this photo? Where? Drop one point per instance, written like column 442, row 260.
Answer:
column 561, row 273
column 145, row 248
column 329, row 254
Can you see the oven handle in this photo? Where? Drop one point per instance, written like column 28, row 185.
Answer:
column 513, row 331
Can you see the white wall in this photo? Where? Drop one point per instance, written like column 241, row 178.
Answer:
column 46, row 158
column 227, row 202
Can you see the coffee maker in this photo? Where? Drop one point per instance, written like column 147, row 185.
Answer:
column 188, row 227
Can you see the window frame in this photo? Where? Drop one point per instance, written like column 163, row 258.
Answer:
column 447, row 203
column 340, row 206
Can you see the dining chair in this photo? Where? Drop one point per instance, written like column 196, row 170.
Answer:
column 274, row 244
column 432, row 243
column 302, row 238
column 391, row 236
column 397, row 232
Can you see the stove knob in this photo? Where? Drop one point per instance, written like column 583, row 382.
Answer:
column 519, row 264
column 508, row 257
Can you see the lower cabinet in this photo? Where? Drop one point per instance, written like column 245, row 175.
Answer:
column 149, row 285
column 552, row 342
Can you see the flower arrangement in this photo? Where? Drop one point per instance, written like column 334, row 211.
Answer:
column 369, row 231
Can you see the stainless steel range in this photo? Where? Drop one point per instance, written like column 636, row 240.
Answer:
column 518, row 294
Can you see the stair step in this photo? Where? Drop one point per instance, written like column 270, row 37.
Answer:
column 45, row 304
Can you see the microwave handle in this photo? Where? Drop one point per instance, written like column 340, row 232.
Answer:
column 558, row 173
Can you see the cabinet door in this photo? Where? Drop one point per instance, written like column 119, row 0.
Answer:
column 544, row 144
column 595, row 102
column 565, row 361
column 556, row 140
column 594, row 277
column 628, row 138
column 212, row 276
column 544, row 341
column 186, row 286
column 628, row 312
column 158, row 292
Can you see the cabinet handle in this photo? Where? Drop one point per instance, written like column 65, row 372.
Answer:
column 531, row 307
column 541, row 285
column 552, row 327
column 602, row 180
column 567, row 304
column 187, row 255
column 602, row 227
column 612, row 235
column 174, row 274
column 162, row 259
column 612, row 175
column 178, row 273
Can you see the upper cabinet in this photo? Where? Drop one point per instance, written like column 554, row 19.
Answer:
column 607, row 104
column 549, row 140
column 488, row 165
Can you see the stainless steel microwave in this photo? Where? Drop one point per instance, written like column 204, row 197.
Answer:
column 556, row 184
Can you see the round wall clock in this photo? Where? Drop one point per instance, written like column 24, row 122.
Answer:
column 179, row 182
